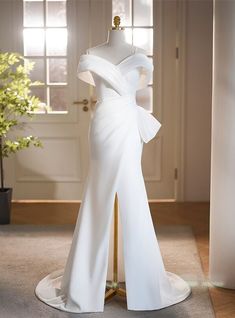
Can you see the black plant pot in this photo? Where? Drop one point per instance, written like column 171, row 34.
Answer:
column 5, row 205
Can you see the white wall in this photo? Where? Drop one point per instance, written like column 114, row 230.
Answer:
column 10, row 31
column 222, row 214
column 199, row 35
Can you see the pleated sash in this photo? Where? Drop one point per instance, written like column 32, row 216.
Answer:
column 125, row 107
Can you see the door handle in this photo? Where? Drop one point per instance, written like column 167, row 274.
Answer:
column 85, row 102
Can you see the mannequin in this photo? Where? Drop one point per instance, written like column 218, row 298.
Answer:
column 115, row 48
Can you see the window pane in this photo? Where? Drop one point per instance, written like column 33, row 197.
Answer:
column 37, row 74
column 141, row 19
column 144, row 98
column 33, row 14
column 128, row 35
column 40, row 92
column 56, row 13
column 58, row 98
column 144, row 38
column 57, row 70
column 122, row 8
column 56, row 41
column 34, row 42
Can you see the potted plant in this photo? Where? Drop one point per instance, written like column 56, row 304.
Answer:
column 16, row 101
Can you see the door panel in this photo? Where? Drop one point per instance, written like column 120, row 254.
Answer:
column 154, row 29
column 57, row 171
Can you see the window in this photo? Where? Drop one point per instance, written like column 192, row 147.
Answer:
column 45, row 43
column 139, row 32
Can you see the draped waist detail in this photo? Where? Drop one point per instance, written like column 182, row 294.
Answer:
column 148, row 125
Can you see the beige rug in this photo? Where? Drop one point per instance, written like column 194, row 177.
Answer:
column 29, row 252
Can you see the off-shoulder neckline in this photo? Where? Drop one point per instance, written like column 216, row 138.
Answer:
column 119, row 63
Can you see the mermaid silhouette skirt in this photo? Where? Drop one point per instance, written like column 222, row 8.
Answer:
column 118, row 129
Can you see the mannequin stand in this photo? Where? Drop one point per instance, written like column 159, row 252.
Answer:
column 113, row 287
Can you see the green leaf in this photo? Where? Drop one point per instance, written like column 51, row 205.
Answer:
column 16, row 100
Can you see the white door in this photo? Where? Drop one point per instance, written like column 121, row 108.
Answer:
column 58, row 171
column 55, row 34
column 151, row 24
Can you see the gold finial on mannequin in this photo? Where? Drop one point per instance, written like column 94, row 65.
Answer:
column 116, row 22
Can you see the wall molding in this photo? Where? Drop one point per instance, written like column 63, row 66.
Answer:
column 180, row 99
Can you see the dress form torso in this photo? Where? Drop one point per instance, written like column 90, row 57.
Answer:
column 114, row 50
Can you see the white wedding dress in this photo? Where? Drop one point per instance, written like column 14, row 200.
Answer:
column 117, row 131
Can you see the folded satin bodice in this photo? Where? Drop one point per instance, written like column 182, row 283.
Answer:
column 120, row 82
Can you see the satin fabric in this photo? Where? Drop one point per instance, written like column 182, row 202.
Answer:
column 118, row 129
